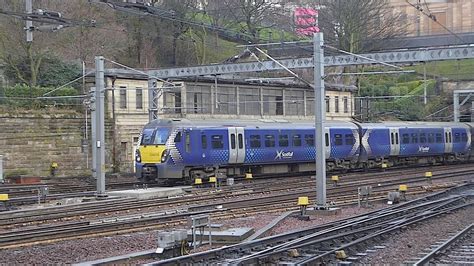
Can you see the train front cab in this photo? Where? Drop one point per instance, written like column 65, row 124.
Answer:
column 150, row 153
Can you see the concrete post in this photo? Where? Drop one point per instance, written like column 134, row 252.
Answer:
column 93, row 132
column 29, row 23
column 320, row 117
column 99, row 145
column 456, row 106
column 1, row 170
column 472, row 111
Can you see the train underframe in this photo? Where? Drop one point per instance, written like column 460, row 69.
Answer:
column 189, row 174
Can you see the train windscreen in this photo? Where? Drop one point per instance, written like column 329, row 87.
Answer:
column 155, row 137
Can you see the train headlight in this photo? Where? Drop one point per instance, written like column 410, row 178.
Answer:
column 164, row 155
column 138, row 157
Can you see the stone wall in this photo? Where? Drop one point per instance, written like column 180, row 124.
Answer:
column 31, row 141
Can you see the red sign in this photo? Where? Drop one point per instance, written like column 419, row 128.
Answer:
column 306, row 21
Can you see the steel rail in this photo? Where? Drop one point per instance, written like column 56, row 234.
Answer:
column 256, row 245
column 446, row 245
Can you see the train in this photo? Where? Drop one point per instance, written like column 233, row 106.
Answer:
column 180, row 150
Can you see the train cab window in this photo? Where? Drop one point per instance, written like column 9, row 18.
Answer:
column 414, row 138
column 255, row 141
column 204, row 141
column 326, row 139
column 177, row 138
column 349, row 139
column 188, row 142
column 241, row 141
column 464, row 137
column 297, row 140
column 232, row 141
column 217, row 142
column 269, row 141
column 309, row 139
column 439, row 138
column 283, row 140
column 457, row 137
column 430, row 138
column 338, row 139
column 147, row 137
column 405, row 138
column 422, row 138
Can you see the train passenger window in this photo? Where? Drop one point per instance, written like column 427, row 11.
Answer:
column 457, row 137
column 188, row 142
column 405, row 138
column 232, row 141
column 464, row 137
column 338, row 139
column 309, row 139
column 326, row 138
column 269, row 141
column 217, row 142
column 178, row 137
column 349, row 139
column 450, row 137
column 430, row 138
column 255, row 141
column 446, row 137
column 241, row 141
column 414, row 138
column 204, row 141
column 439, row 138
column 422, row 138
column 283, row 140
column 396, row 139
column 392, row 138
column 297, row 140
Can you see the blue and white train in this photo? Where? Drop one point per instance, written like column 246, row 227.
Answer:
column 180, row 149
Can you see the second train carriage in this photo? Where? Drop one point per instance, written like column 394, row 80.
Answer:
column 179, row 149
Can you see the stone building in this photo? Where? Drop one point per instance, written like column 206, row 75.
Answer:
column 456, row 15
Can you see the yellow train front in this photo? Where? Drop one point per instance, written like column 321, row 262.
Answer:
column 151, row 150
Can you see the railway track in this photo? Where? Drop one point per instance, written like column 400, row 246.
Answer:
column 342, row 240
column 20, row 228
column 287, row 191
column 458, row 249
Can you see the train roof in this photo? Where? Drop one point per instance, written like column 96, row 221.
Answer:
column 402, row 124
column 261, row 123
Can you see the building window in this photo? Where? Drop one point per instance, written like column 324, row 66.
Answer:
column 336, row 104
column 328, row 105
column 346, row 104
column 139, row 102
column 123, row 97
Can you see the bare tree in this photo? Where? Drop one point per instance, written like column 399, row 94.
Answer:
column 252, row 16
column 358, row 25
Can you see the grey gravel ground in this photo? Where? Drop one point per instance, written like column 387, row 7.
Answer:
column 412, row 241
column 409, row 243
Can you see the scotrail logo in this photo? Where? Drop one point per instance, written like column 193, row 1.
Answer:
column 284, row 155
column 423, row 149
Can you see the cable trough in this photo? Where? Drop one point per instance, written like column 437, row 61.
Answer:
column 342, row 240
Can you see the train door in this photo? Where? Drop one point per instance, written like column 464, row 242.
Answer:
column 327, row 142
column 236, row 145
column 394, row 142
column 448, row 140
